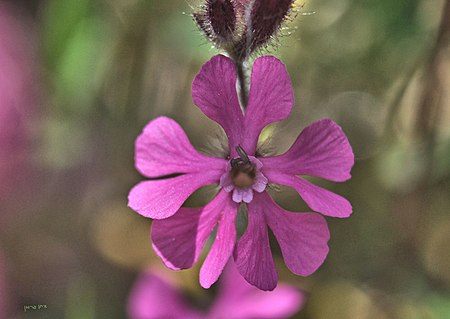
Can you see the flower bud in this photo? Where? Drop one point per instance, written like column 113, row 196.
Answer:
column 242, row 26
column 222, row 17
column 217, row 20
column 265, row 20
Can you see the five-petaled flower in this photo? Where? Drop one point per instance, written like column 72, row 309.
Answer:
column 179, row 233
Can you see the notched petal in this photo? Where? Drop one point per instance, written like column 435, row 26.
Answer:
column 252, row 254
column 271, row 99
column 159, row 199
column 214, row 92
column 321, row 150
column 317, row 198
column 303, row 237
column 164, row 149
column 222, row 248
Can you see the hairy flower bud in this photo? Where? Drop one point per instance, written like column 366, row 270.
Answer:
column 217, row 20
column 222, row 17
column 265, row 20
column 242, row 26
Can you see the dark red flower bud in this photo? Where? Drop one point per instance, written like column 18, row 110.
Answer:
column 223, row 17
column 242, row 26
column 266, row 18
column 217, row 20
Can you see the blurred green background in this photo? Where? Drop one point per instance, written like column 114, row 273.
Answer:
column 99, row 70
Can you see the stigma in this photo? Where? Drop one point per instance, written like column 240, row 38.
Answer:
column 243, row 176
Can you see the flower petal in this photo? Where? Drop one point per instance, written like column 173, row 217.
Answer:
column 247, row 195
column 179, row 239
column 242, row 195
column 302, row 237
column 239, row 300
column 225, row 182
column 152, row 297
column 260, row 182
column 270, row 100
column 252, row 253
column 163, row 149
column 162, row 198
column 223, row 246
column 317, row 198
column 322, row 150
column 214, row 92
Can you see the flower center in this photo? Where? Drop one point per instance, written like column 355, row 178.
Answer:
column 243, row 174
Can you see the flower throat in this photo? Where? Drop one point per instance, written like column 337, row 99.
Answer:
column 243, row 172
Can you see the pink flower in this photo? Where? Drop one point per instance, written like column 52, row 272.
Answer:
column 154, row 297
column 179, row 234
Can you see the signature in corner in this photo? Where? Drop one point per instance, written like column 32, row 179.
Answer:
column 34, row 307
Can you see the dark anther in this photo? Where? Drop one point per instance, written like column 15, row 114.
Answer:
column 242, row 159
column 242, row 154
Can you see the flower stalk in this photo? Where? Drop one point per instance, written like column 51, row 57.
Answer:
column 243, row 84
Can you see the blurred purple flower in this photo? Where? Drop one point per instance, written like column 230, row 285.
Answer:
column 153, row 297
column 16, row 98
column 322, row 150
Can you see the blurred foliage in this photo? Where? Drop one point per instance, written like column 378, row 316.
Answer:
column 107, row 67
